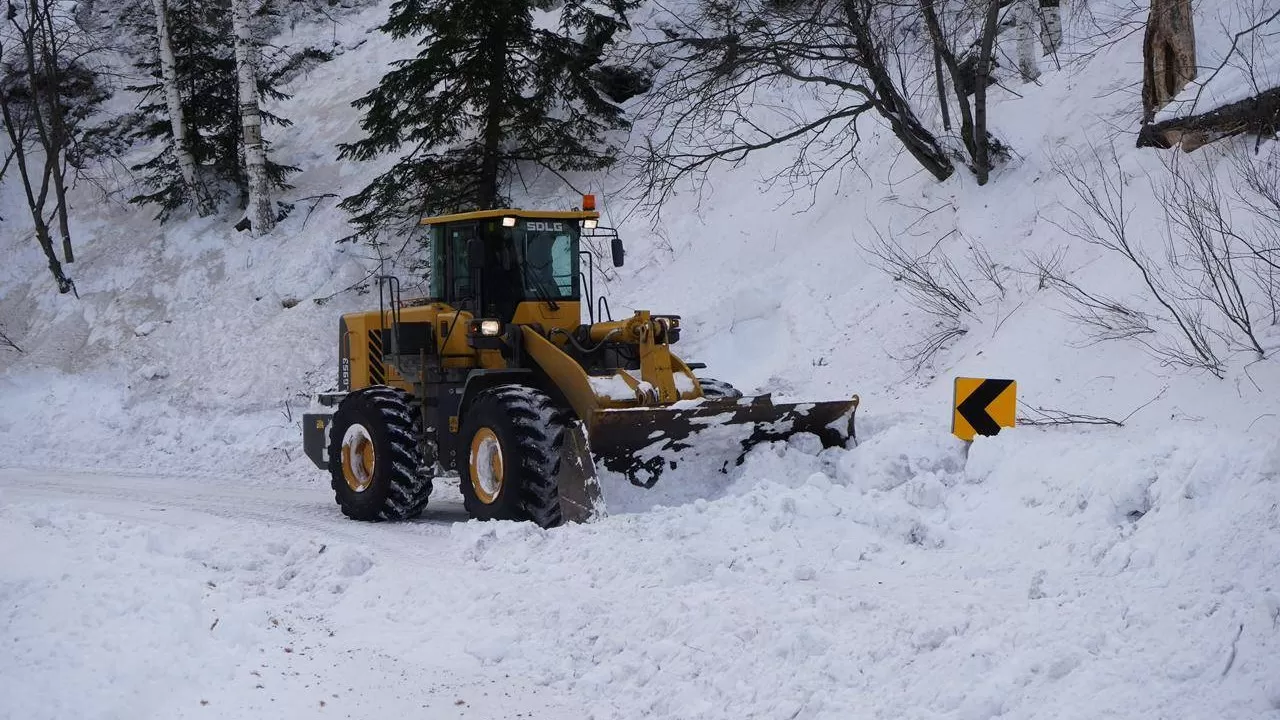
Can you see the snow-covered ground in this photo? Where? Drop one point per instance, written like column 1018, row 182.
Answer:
column 905, row 579
column 172, row 554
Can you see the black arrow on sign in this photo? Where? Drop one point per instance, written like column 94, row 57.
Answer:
column 974, row 407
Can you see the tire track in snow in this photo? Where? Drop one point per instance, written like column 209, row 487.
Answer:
column 322, row 613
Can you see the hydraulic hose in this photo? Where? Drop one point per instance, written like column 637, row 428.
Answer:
column 586, row 351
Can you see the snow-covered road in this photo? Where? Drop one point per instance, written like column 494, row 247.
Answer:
column 1038, row 575
column 163, row 597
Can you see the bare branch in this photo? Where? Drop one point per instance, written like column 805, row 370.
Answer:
column 990, row 270
column 919, row 354
column 5, row 341
column 1105, row 318
column 1203, row 245
column 1104, row 222
column 1048, row 417
column 1042, row 417
column 935, row 284
column 931, row 279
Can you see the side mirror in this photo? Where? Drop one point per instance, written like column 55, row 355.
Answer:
column 619, row 253
column 475, row 254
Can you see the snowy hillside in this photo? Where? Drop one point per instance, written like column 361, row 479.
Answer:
column 202, row 348
column 181, row 557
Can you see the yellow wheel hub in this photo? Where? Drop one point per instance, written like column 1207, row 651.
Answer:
column 357, row 458
column 486, row 465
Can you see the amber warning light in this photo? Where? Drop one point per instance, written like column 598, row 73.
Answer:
column 588, row 202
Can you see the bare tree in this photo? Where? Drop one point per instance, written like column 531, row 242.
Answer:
column 1051, row 26
column 876, row 26
column 722, row 75
column 963, row 21
column 50, row 88
column 177, row 117
column 10, row 153
column 728, row 72
column 261, row 217
column 34, row 49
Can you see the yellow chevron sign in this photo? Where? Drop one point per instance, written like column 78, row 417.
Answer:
column 982, row 406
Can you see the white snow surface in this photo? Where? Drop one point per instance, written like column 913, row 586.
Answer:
column 1126, row 578
column 173, row 555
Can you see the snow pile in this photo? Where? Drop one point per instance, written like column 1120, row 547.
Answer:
column 1120, row 579
column 140, row 620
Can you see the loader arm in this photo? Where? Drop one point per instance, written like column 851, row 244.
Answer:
column 664, row 378
column 642, row 427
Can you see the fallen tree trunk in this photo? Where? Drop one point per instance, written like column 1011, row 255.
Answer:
column 1259, row 114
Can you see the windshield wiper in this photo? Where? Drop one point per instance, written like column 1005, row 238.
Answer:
column 540, row 290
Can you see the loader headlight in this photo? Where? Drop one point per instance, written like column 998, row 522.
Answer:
column 590, row 224
column 486, row 328
column 508, row 222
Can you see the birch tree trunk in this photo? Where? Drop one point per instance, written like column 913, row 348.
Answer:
column 1051, row 35
column 177, row 119
column 1027, row 24
column 255, row 156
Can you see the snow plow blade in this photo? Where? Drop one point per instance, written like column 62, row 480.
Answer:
column 642, row 443
column 577, row 482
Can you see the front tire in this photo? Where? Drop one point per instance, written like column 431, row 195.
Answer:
column 512, row 436
column 374, row 460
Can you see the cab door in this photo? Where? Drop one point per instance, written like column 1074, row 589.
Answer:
column 458, row 281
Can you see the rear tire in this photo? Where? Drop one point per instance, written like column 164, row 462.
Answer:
column 374, row 461
column 512, row 436
column 713, row 389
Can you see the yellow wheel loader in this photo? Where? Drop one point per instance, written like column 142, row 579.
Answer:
column 497, row 378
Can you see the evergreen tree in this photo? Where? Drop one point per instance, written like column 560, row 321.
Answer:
column 202, row 41
column 491, row 88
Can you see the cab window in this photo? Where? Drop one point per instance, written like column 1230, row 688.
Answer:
column 549, row 250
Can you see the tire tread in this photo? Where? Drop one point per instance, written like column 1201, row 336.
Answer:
column 409, row 486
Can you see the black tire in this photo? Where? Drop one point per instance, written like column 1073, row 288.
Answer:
column 397, row 487
column 713, row 389
column 528, row 431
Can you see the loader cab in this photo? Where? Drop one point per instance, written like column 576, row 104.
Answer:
column 491, row 262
